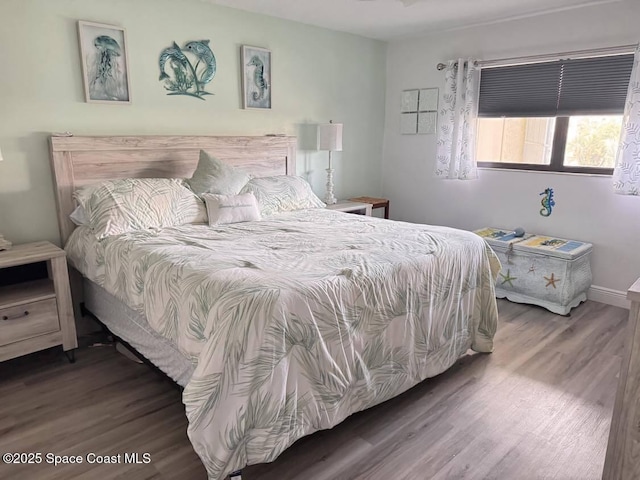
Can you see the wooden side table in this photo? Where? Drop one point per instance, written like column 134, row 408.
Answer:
column 375, row 202
column 38, row 314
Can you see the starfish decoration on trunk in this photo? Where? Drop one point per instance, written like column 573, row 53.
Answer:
column 508, row 278
column 552, row 280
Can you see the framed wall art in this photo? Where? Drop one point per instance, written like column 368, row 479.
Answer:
column 105, row 66
column 256, row 77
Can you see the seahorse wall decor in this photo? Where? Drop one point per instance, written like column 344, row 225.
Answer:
column 547, row 202
column 256, row 77
column 180, row 76
column 259, row 79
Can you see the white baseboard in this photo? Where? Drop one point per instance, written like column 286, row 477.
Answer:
column 608, row 296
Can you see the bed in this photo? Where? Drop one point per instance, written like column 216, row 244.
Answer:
column 281, row 327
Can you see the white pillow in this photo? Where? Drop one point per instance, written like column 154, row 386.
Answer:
column 223, row 209
column 215, row 176
column 79, row 216
column 119, row 206
column 282, row 193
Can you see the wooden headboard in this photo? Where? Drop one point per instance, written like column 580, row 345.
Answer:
column 78, row 161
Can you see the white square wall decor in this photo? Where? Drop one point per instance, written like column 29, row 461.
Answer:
column 410, row 101
column 428, row 100
column 427, row 122
column 409, row 123
column 419, row 111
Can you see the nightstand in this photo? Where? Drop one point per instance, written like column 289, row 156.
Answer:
column 375, row 203
column 347, row 206
column 37, row 314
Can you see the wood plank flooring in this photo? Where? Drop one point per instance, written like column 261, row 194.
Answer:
column 539, row 407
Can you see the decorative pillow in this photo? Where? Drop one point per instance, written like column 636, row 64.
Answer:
column 223, row 209
column 215, row 176
column 79, row 216
column 118, row 206
column 282, row 193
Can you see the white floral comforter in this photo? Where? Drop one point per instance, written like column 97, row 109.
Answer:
column 297, row 321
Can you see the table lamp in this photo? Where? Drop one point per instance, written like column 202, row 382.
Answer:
column 4, row 244
column 330, row 138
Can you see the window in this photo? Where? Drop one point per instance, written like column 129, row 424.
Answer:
column 561, row 116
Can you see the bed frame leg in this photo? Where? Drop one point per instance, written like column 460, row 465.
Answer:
column 71, row 355
column 237, row 475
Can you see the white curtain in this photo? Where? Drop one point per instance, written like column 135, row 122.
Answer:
column 456, row 156
column 626, row 176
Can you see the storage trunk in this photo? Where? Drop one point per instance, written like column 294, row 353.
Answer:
column 551, row 272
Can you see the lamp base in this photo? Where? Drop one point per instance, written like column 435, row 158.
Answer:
column 4, row 244
column 329, row 198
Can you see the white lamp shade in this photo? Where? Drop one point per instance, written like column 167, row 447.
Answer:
column 330, row 137
column 1, row 156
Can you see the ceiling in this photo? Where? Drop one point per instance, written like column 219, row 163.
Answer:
column 391, row 19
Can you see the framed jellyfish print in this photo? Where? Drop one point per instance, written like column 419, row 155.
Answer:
column 105, row 66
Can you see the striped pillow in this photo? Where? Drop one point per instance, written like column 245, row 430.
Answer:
column 223, row 209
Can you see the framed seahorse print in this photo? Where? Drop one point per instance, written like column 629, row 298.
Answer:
column 256, row 77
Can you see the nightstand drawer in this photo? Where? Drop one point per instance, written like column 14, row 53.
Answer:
column 28, row 320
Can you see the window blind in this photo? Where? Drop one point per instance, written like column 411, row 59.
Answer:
column 561, row 88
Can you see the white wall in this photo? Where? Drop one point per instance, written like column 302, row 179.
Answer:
column 318, row 75
column 586, row 209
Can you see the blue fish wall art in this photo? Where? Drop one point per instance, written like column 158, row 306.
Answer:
column 186, row 70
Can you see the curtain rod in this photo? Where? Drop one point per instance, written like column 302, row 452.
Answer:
column 622, row 49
